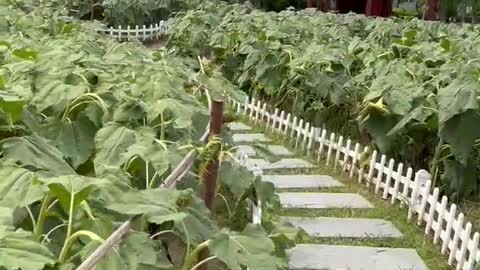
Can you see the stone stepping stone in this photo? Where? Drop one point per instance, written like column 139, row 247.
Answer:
column 287, row 163
column 302, row 181
column 331, row 257
column 277, row 150
column 346, row 227
column 238, row 126
column 313, row 200
column 249, row 138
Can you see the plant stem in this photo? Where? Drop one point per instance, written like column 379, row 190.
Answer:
column 147, row 184
column 436, row 158
column 204, row 261
column 42, row 215
column 63, row 253
column 162, row 127
column 192, row 258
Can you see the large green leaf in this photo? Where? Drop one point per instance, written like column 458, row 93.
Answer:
column 71, row 190
column 236, row 178
column 36, row 154
column 137, row 251
column 457, row 98
column 52, row 92
column 76, row 140
column 18, row 187
column 251, row 248
column 158, row 206
column 460, row 132
column 19, row 251
column 11, row 104
column 460, row 179
column 111, row 142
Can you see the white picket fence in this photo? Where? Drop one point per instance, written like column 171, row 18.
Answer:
column 444, row 225
column 143, row 32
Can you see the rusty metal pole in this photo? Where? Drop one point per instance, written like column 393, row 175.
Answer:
column 211, row 170
column 210, row 173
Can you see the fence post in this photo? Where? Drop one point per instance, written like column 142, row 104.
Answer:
column 211, row 170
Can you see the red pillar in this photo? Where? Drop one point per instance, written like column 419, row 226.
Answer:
column 379, row 8
column 323, row 5
column 309, row 3
column 431, row 14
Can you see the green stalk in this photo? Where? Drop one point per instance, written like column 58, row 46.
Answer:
column 193, row 257
column 63, row 253
column 162, row 127
column 41, row 218
column 204, row 261
column 436, row 158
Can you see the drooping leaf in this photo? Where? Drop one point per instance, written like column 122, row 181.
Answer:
column 18, row 187
column 19, row 251
column 460, row 178
column 251, row 248
column 236, row 178
column 36, row 154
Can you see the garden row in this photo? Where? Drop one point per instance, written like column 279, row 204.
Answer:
column 406, row 88
column 89, row 130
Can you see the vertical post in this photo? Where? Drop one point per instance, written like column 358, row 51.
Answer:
column 309, row 3
column 431, row 12
column 211, row 170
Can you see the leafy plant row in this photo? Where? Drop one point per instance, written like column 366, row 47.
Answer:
column 406, row 87
column 89, row 129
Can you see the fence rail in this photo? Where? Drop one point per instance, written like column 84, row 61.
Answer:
column 143, row 32
column 445, row 225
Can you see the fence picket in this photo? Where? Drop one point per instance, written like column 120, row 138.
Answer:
column 356, row 151
column 299, row 132
column 330, row 147
column 397, row 180
column 311, row 137
column 322, row 144
column 463, row 249
column 294, row 127
column 472, row 258
column 371, row 170
column 274, row 121
column 281, row 122
column 432, row 210
column 346, row 154
column 305, row 135
column 441, row 218
column 388, row 179
column 423, row 204
column 449, row 228
column 337, row 154
column 257, row 112
column 380, row 174
column 287, row 122
column 413, row 199
column 456, row 237
column 362, row 168
column 252, row 111
column 406, row 186
column 263, row 112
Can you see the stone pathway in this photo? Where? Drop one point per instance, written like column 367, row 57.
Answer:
column 318, row 256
